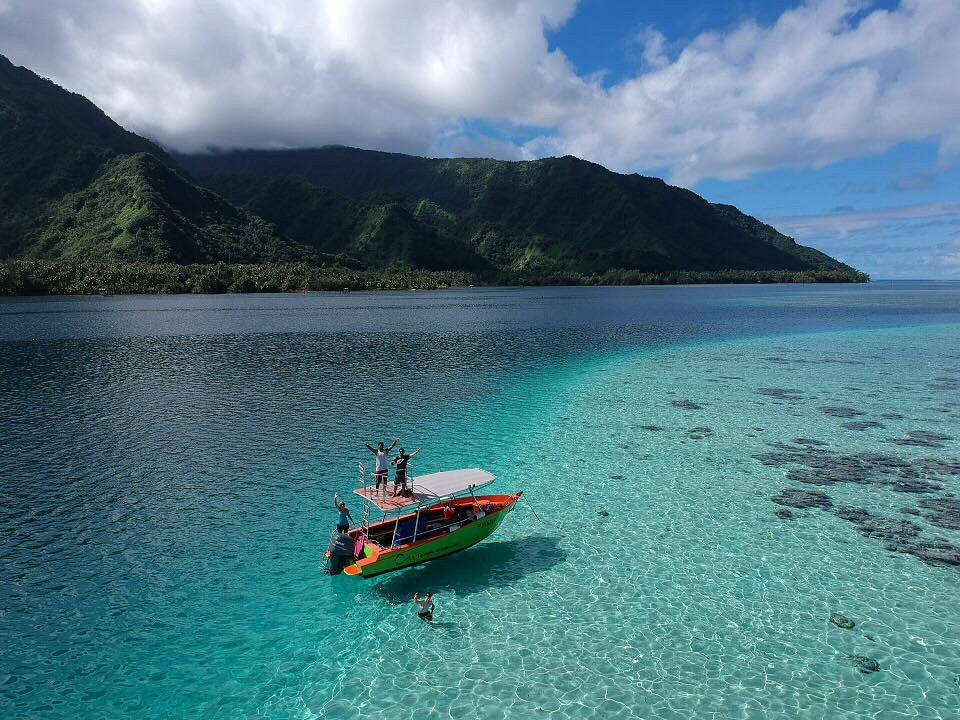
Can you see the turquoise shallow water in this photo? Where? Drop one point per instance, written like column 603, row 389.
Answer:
column 167, row 466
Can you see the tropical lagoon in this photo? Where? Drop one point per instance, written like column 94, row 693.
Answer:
column 709, row 473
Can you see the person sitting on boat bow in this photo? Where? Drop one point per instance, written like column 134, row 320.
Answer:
column 425, row 611
column 343, row 523
column 400, row 477
column 383, row 462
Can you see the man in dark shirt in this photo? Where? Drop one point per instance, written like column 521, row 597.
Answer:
column 400, row 476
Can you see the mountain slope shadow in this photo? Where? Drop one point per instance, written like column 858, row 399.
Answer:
column 476, row 569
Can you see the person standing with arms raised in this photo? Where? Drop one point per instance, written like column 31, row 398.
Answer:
column 345, row 519
column 383, row 462
column 400, row 476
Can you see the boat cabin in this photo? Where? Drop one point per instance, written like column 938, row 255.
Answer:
column 433, row 505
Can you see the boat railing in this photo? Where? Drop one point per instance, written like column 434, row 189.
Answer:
column 453, row 526
column 410, row 480
column 365, row 520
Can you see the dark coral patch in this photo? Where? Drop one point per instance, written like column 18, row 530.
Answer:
column 651, row 428
column 894, row 531
column 781, row 393
column 865, row 664
column 802, row 498
column 921, row 438
column 828, row 477
column 938, row 467
column 936, row 552
column 942, row 512
column 915, row 485
column 686, row 405
column 840, row 412
column 900, row 536
column 823, row 467
column 862, row 425
column 842, row 621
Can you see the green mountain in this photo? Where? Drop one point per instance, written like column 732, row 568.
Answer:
column 561, row 215
column 139, row 210
column 75, row 186
column 52, row 142
column 376, row 236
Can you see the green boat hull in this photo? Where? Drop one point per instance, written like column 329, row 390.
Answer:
column 467, row 536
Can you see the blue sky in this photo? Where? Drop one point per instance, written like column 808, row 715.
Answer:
column 848, row 208
column 838, row 121
column 601, row 37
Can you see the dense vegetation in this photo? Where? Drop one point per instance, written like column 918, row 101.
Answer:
column 52, row 142
column 139, row 210
column 554, row 215
column 376, row 236
column 86, row 205
column 46, row 277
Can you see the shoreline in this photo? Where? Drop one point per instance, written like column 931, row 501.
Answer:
column 26, row 278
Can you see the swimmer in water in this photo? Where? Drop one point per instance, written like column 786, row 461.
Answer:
column 425, row 611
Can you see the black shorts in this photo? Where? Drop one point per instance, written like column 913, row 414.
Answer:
column 343, row 528
column 425, row 615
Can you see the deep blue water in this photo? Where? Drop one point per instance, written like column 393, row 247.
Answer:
column 167, row 465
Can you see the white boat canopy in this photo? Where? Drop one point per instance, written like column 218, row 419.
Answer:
column 451, row 482
column 430, row 487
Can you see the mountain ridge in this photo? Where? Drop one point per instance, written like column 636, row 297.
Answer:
column 75, row 186
column 556, row 214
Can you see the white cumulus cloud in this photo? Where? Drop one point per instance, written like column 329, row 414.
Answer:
column 830, row 79
column 843, row 223
column 269, row 73
column 921, row 240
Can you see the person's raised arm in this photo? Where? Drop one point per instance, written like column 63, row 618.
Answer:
column 370, row 448
column 336, row 500
column 414, row 453
column 416, row 596
column 393, row 445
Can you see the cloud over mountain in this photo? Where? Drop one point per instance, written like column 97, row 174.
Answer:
column 920, row 240
column 830, row 79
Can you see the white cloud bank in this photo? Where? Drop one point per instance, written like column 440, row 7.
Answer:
column 831, row 79
column 843, row 224
column 904, row 241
